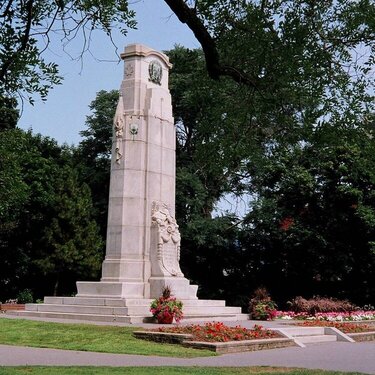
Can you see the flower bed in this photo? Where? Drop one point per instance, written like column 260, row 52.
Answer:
column 218, row 338
column 344, row 327
column 351, row 316
column 218, row 332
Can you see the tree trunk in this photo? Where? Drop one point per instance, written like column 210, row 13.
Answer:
column 56, row 286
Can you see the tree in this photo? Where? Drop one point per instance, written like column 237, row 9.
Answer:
column 70, row 245
column 231, row 142
column 93, row 155
column 8, row 113
column 333, row 28
column 312, row 228
column 14, row 192
column 25, row 33
column 281, row 67
column 45, row 218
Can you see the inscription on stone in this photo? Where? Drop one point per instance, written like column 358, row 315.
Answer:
column 170, row 258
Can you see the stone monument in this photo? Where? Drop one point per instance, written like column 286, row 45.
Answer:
column 143, row 238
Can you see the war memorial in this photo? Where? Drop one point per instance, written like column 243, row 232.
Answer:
column 143, row 239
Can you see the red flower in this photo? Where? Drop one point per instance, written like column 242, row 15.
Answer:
column 286, row 223
column 218, row 332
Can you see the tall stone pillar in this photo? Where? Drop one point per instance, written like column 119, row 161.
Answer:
column 143, row 241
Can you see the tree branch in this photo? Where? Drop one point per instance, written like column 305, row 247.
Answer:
column 7, row 9
column 24, row 41
column 214, row 68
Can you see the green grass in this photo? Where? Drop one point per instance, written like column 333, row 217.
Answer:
column 86, row 337
column 163, row 371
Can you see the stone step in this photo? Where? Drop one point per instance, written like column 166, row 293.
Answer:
column 123, row 302
column 203, row 302
column 134, row 319
column 130, row 310
column 86, row 301
column 211, row 310
column 304, row 331
column 74, row 316
column 316, row 339
column 92, row 310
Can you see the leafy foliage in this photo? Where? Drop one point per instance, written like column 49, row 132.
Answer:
column 311, row 227
column 261, row 306
column 166, row 308
column 8, row 113
column 26, row 28
column 47, row 232
column 305, row 156
column 92, row 156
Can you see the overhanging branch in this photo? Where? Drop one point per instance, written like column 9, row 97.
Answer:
column 214, row 68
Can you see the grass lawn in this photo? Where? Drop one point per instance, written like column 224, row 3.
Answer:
column 86, row 337
column 163, row 371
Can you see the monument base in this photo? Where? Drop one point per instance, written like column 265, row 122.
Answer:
column 126, row 310
column 124, row 302
column 110, row 289
column 179, row 286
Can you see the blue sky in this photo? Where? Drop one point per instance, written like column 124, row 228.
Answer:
column 64, row 113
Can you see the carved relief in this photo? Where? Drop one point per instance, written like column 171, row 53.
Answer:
column 168, row 241
column 155, row 72
column 119, row 126
column 129, row 70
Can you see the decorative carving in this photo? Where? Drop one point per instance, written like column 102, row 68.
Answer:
column 168, row 240
column 155, row 72
column 129, row 70
column 119, row 126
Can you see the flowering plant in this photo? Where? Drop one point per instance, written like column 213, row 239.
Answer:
column 264, row 311
column 330, row 316
column 261, row 306
column 166, row 308
column 218, row 332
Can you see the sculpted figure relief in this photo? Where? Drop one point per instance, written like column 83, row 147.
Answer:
column 168, row 240
column 155, row 72
column 119, row 126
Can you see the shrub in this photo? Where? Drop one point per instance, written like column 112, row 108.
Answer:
column 261, row 306
column 25, row 296
column 319, row 304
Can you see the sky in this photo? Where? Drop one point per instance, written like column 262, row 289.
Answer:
column 63, row 115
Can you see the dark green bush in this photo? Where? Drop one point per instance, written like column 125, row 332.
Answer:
column 25, row 296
